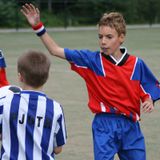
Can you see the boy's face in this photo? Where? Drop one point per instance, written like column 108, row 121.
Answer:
column 109, row 40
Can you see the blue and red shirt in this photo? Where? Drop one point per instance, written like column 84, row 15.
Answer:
column 3, row 78
column 114, row 87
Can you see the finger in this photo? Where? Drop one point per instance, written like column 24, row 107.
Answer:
column 37, row 10
column 24, row 10
column 151, row 108
column 32, row 7
column 144, row 104
column 148, row 109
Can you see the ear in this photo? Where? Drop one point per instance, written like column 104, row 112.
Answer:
column 121, row 38
column 20, row 78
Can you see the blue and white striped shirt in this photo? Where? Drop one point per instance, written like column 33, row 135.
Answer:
column 32, row 125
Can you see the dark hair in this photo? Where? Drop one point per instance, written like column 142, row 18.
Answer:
column 114, row 20
column 34, row 68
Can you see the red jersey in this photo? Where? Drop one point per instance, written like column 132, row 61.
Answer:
column 3, row 78
column 114, row 87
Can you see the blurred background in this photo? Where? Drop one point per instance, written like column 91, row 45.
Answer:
column 65, row 13
column 78, row 19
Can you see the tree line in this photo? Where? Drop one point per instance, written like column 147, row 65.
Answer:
column 80, row 12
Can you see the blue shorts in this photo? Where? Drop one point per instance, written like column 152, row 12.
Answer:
column 117, row 134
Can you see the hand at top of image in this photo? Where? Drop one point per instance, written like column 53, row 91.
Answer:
column 31, row 13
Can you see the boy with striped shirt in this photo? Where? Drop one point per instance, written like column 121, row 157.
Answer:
column 32, row 125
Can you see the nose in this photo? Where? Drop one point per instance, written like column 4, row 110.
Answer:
column 103, row 41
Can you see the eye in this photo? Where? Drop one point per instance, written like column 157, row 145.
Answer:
column 100, row 36
column 109, row 36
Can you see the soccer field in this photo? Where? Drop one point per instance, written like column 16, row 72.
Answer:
column 69, row 89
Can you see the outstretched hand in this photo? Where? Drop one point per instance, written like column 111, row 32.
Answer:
column 31, row 13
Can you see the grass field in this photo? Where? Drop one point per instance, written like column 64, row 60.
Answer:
column 69, row 89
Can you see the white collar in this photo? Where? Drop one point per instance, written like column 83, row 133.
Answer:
column 124, row 52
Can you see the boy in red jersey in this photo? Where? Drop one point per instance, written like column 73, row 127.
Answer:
column 4, row 84
column 116, row 82
column 3, row 78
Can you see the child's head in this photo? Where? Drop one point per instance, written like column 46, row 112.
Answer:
column 114, row 20
column 112, row 30
column 33, row 68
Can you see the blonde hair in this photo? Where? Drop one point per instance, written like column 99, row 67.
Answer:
column 114, row 20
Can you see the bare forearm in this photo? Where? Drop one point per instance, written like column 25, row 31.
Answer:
column 53, row 48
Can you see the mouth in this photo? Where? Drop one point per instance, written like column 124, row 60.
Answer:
column 104, row 50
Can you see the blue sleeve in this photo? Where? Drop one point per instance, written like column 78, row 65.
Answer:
column 1, row 113
column 85, row 59
column 61, row 135
column 148, row 81
column 2, row 60
column 79, row 57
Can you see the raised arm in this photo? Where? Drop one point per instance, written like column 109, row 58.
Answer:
column 32, row 14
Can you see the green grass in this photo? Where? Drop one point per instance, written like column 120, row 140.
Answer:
column 69, row 89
